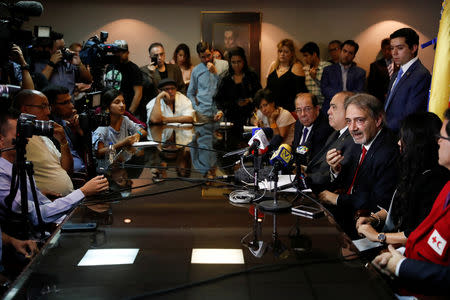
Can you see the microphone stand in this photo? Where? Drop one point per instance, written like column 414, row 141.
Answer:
column 275, row 204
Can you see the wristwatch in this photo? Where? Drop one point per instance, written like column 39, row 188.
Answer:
column 381, row 237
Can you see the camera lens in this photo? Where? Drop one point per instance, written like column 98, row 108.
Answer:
column 44, row 128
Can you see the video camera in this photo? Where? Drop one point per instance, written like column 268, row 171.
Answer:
column 96, row 52
column 12, row 17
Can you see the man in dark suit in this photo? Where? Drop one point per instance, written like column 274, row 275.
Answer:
column 312, row 128
column 370, row 179
column 408, row 88
column 378, row 80
column 318, row 170
column 344, row 76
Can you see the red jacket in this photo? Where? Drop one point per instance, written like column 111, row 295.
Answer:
column 430, row 241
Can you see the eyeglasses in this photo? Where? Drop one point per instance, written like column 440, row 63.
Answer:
column 64, row 102
column 306, row 109
column 438, row 136
column 333, row 49
column 42, row 106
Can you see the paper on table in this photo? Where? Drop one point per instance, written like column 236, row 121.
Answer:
column 145, row 144
column 282, row 180
column 364, row 244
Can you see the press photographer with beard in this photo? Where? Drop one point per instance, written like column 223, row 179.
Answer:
column 58, row 64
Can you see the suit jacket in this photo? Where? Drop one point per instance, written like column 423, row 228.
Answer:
column 320, row 131
column 425, row 277
column 410, row 95
column 318, row 170
column 375, row 182
column 332, row 84
column 378, row 80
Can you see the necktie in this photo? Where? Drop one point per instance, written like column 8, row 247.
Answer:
column 305, row 133
column 363, row 154
column 399, row 76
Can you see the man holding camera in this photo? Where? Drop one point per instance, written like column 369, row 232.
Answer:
column 64, row 67
column 51, row 166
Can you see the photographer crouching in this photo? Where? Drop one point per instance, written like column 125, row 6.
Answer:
column 58, row 64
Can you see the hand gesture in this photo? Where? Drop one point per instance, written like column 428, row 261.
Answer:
column 274, row 116
column 95, row 185
column 76, row 60
column 56, row 57
column 313, row 72
column 28, row 248
column 368, row 231
column 218, row 116
column 334, row 159
column 211, row 67
column 17, row 55
column 59, row 134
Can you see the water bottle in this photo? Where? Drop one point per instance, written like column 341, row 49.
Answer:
column 111, row 153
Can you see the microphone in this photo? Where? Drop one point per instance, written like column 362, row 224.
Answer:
column 282, row 157
column 28, row 8
column 262, row 145
column 302, row 155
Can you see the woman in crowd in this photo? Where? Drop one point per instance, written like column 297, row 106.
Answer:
column 122, row 132
column 271, row 115
column 237, row 89
column 218, row 54
column 421, row 180
column 182, row 57
column 286, row 76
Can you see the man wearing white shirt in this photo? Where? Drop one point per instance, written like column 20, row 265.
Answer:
column 408, row 88
column 170, row 106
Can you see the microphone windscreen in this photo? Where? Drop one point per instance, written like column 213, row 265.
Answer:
column 28, row 8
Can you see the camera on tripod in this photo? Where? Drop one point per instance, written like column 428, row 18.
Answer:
column 27, row 126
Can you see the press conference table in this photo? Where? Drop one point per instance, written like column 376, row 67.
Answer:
column 164, row 203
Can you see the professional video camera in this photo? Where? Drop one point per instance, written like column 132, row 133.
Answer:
column 97, row 54
column 12, row 17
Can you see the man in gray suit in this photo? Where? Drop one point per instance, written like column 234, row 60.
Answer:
column 318, row 170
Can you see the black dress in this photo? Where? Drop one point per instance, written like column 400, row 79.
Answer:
column 229, row 93
column 285, row 88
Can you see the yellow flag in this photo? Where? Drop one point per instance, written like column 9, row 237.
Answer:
column 440, row 84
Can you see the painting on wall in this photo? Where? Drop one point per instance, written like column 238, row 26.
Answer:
column 225, row 30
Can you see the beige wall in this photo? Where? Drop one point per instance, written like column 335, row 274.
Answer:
column 142, row 22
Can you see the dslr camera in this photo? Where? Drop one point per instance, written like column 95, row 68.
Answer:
column 27, row 126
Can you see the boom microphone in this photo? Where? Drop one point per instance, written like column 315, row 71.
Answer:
column 28, row 8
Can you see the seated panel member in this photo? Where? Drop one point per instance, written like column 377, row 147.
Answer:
column 311, row 128
column 425, row 266
column 170, row 106
column 421, row 180
column 121, row 132
column 52, row 211
column 318, row 170
column 370, row 179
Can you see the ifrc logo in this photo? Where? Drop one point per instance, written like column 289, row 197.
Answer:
column 437, row 243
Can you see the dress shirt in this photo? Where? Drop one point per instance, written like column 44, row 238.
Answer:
column 183, row 107
column 203, row 86
column 52, row 211
column 313, row 85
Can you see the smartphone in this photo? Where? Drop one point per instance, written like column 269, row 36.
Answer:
column 79, row 227
column 154, row 60
column 307, row 211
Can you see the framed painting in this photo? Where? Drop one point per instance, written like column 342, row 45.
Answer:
column 224, row 30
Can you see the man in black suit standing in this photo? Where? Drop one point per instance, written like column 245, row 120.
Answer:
column 379, row 77
column 318, row 170
column 312, row 128
column 408, row 89
column 370, row 179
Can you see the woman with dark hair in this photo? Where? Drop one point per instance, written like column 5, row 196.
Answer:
column 182, row 58
column 421, row 180
column 121, row 132
column 286, row 76
column 271, row 115
column 237, row 88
